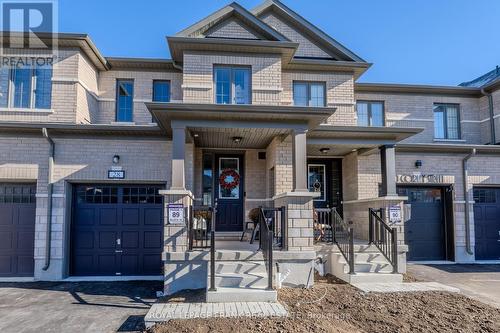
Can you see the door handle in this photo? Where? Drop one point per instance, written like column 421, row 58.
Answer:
column 118, row 251
column 118, row 241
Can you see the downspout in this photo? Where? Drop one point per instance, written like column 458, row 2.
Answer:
column 492, row 115
column 177, row 66
column 466, row 195
column 50, row 187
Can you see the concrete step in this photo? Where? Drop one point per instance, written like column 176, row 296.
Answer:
column 241, row 280
column 238, row 267
column 233, row 294
column 373, row 278
column 238, row 255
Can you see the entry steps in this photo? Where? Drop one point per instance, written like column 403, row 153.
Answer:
column 240, row 276
column 370, row 266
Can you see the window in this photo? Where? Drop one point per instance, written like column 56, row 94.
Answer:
column 124, row 100
column 316, row 180
column 446, row 121
column 233, row 164
column 161, row 91
column 207, row 179
column 232, row 85
column 370, row 113
column 26, row 87
column 309, row 94
column 485, row 195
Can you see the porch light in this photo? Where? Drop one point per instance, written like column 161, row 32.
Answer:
column 116, row 159
column 237, row 139
column 196, row 135
column 418, row 164
column 324, row 150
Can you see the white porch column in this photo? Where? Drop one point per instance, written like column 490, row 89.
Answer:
column 388, row 166
column 299, row 158
column 178, row 156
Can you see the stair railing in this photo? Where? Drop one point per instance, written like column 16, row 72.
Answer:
column 277, row 223
column 212, row 249
column 383, row 237
column 266, row 245
column 343, row 237
column 199, row 227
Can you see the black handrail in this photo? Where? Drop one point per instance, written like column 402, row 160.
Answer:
column 343, row 237
column 266, row 245
column 200, row 222
column 212, row 249
column 383, row 237
column 277, row 222
column 323, row 228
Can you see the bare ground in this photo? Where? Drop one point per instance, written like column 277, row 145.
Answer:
column 331, row 306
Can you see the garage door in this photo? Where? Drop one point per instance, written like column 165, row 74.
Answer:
column 487, row 223
column 117, row 230
column 17, row 229
column 425, row 229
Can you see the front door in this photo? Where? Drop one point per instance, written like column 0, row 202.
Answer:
column 229, row 192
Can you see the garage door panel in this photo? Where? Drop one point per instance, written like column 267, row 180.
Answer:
column 152, row 263
column 152, row 216
column 108, row 216
column 130, row 225
column 487, row 223
column 17, row 229
column 131, row 216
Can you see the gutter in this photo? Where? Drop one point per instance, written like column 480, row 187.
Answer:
column 492, row 115
column 50, row 188
column 466, row 195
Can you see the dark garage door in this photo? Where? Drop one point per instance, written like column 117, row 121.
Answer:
column 117, row 230
column 487, row 223
column 17, row 229
column 425, row 230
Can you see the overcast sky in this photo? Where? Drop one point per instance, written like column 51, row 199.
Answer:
column 408, row 41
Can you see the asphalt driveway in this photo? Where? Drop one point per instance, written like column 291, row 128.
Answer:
column 481, row 282
column 75, row 307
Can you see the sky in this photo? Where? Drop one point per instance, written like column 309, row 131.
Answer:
column 439, row 42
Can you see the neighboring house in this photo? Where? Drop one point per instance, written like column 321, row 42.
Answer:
column 255, row 109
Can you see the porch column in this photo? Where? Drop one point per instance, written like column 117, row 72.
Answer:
column 388, row 166
column 299, row 158
column 178, row 156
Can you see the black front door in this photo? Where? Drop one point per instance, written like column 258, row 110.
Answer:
column 325, row 176
column 487, row 223
column 117, row 230
column 229, row 192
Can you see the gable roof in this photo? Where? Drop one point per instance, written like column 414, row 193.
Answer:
column 232, row 10
column 483, row 80
column 333, row 47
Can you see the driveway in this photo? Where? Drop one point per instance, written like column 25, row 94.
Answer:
column 75, row 307
column 481, row 282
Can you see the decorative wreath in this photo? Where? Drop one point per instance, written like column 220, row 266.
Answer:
column 229, row 179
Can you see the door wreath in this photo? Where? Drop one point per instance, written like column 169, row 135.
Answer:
column 229, row 179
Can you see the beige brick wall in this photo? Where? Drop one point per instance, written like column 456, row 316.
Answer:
column 413, row 110
column 279, row 157
column 198, row 76
column 232, row 29
column 143, row 92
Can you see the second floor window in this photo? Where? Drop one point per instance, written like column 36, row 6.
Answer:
column 26, row 87
column 309, row 94
column 232, row 85
column 124, row 100
column 370, row 113
column 161, row 91
column 446, row 121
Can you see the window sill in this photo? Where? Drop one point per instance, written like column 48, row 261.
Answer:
column 449, row 140
column 123, row 123
column 20, row 110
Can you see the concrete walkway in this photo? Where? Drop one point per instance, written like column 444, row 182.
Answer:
column 480, row 282
column 162, row 312
column 404, row 287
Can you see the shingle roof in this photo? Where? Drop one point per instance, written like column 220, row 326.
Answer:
column 484, row 79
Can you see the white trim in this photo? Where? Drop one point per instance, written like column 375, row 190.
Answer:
column 411, row 119
column 176, row 192
column 449, row 140
column 196, row 87
column 45, row 195
column 17, row 279
column 258, row 200
column 27, row 110
column 471, row 121
column 113, row 278
column 263, row 88
column 295, row 194
column 323, row 197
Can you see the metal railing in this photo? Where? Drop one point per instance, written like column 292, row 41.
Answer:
column 200, row 223
column 212, row 249
column 266, row 240
column 343, row 237
column 323, row 225
column 277, row 222
column 383, row 237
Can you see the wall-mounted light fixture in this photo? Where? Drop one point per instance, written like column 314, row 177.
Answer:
column 418, row 164
column 116, row 159
column 324, row 150
column 195, row 135
column 237, row 139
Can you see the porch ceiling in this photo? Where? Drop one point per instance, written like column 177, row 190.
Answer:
column 237, row 116
column 251, row 138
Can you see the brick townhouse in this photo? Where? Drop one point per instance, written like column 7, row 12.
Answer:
column 253, row 147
